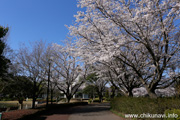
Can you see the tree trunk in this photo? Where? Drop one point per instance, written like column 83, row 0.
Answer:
column 21, row 104
column 100, row 98
column 51, row 96
column 152, row 93
column 130, row 93
column 68, row 98
column 113, row 94
column 33, row 102
column 34, row 94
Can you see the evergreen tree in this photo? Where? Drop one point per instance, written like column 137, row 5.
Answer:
column 19, row 88
column 3, row 60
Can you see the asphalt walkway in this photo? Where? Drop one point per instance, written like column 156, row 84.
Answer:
column 87, row 112
column 93, row 112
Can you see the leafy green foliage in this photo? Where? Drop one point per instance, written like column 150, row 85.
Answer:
column 90, row 101
column 92, row 77
column 90, row 90
column 3, row 31
column 107, row 95
column 20, row 88
column 131, row 105
column 3, row 61
column 170, row 113
column 97, row 84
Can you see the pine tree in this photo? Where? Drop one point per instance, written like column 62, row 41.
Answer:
column 4, row 62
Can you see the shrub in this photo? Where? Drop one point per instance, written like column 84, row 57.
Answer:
column 173, row 114
column 90, row 100
column 62, row 99
column 140, row 105
column 96, row 100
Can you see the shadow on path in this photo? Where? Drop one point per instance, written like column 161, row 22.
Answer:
column 93, row 112
column 57, row 112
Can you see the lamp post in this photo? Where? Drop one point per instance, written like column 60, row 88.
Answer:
column 47, row 100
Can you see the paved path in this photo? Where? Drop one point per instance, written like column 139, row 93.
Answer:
column 87, row 112
column 93, row 112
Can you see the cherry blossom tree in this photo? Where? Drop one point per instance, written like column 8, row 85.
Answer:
column 140, row 33
column 118, row 75
column 122, row 77
column 98, row 80
column 70, row 71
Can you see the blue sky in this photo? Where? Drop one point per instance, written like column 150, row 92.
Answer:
column 33, row 20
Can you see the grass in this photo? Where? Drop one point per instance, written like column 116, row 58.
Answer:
column 16, row 102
